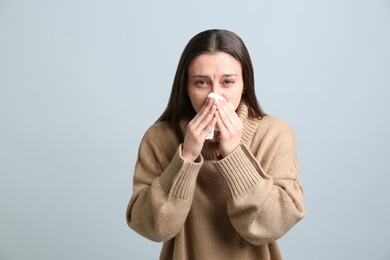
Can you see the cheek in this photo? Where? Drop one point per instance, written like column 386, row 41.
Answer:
column 197, row 106
column 197, row 101
column 234, row 98
column 236, row 101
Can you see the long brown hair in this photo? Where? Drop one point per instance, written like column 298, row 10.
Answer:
column 210, row 41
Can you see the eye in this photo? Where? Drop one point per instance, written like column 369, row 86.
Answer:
column 201, row 83
column 228, row 82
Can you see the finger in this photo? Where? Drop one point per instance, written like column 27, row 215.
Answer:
column 207, row 118
column 220, row 124
column 203, row 111
column 202, row 120
column 209, row 127
column 226, row 114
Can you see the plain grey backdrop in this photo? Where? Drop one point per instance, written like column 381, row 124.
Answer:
column 81, row 81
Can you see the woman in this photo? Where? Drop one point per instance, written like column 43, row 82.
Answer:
column 227, row 198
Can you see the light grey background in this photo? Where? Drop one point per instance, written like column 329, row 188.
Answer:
column 81, row 81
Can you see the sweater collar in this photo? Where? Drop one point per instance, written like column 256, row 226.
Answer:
column 210, row 149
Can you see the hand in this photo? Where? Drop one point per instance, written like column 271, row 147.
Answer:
column 230, row 127
column 197, row 130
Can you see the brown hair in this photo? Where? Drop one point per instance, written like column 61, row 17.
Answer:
column 210, row 41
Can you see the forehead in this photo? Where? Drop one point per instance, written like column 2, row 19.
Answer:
column 215, row 62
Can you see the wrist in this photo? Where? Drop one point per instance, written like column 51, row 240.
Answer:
column 188, row 156
column 227, row 151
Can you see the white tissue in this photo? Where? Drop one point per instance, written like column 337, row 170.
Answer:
column 216, row 98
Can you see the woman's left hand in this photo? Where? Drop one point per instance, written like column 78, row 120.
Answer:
column 230, row 127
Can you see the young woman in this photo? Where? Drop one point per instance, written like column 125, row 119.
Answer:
column 230, row 197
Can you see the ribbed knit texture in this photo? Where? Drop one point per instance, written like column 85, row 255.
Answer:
column 240, row 175
column 176, row 181
column 218, row 208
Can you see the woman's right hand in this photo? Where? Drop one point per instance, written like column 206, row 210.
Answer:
column 197, row 130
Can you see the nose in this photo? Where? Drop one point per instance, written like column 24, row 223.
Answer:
column 216, row 88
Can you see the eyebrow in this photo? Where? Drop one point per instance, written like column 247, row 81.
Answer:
column 224, row 75
column 230, row 75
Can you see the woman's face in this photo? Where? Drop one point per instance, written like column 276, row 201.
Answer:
column 217, row 72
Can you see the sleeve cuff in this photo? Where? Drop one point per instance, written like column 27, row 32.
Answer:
column 239, row 170
column 179, row 178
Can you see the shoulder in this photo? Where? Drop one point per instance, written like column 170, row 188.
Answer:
column 273, row 127
column 160, row 130
column 274, row 123
column 160, row 134
column 273, row 135
column 158, row 145
column 157, row 128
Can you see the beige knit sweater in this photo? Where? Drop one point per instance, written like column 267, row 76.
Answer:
column 230, row 208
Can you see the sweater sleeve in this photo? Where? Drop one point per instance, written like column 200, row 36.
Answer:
column 162, row 195
column 264, row 205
